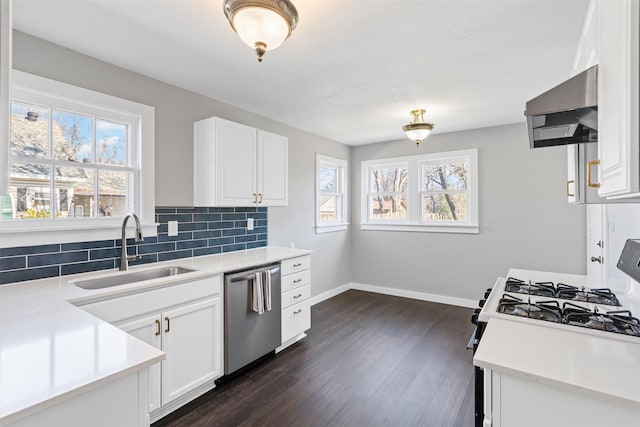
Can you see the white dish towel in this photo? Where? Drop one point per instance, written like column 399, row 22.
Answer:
column 261, row 292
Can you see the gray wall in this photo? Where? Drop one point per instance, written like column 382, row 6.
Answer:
column 176, row 110
column 525, row 221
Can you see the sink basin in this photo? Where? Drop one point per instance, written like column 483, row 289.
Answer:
column 133, row 277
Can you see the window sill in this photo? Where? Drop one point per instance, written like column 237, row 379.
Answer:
column 32, row 236
column 460, row 229
column 331, row 228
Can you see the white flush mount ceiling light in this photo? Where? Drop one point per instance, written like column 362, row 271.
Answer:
column 262, row 24
column 418, row 129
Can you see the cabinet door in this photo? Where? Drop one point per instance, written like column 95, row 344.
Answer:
column 147, row 329
column 617, row 44
column 192, row 339
column 235, row 164
column 273, row 169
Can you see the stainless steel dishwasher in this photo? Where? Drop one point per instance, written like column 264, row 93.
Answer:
column 248, row 335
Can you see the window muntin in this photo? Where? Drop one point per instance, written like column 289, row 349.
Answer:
column 79, row 154
column 330, row 194
column 431, row 192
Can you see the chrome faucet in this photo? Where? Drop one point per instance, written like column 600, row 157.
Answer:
column 124, row 258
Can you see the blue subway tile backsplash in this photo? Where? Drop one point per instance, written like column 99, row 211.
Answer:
column 201, row 231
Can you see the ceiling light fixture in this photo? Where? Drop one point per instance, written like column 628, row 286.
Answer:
column 262, row 24
column 418, row 129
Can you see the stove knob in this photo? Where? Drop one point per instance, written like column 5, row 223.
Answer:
column 474, row 318
column 481, row 302
column 487, row 293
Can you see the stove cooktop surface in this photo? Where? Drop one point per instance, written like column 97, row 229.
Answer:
column 561, row 301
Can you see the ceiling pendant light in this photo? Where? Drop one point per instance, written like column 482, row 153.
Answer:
column 418, row 129
column 262, row 24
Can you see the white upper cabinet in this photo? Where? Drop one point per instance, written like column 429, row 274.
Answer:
column 617, row 45
column 237, row 165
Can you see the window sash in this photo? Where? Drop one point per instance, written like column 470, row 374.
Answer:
column 340, row 194
column 55, row 103
column 416, row 191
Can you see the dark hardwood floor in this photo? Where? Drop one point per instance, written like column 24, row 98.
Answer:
column 368, row 360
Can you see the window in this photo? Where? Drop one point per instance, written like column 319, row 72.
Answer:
column 78, row 160
column 331, row 197
column 433, row 192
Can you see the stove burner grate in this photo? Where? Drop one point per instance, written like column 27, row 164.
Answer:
column 543, row 289
column 596, row 296
column 541, row 310
column 621, row 322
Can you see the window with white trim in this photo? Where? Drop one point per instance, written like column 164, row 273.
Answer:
column 432, row 192
column 78, row 159
column 331, row 194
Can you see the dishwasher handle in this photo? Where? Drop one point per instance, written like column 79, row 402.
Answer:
column 250, row 275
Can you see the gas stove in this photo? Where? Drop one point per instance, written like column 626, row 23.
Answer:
column 562, row 301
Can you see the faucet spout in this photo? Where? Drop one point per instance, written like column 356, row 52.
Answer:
column 124, row 258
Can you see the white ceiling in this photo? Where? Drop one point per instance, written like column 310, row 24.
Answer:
column 351, row 71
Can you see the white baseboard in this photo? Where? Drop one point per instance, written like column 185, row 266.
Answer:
column 423, row 296
column 330, row 294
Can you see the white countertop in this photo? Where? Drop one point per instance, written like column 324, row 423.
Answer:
column 598, row 366
column 51, row 350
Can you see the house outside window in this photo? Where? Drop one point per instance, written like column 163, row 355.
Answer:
column 433, row 192
column 78, row 159
column 331, row 194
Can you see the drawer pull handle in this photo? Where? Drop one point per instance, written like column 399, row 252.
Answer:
column 158, row 329
column 569, row 194
column 298, row 311
column 297, row 281
column 168, row 325
column 298, row 264
column 589, row 182
column 297, row 296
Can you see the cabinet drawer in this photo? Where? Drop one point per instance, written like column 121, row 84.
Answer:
column 294, row 265
column 295, row 320
column 293, row 281
column 296, row 295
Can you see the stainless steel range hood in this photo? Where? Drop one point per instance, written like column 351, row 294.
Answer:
column 566, row 114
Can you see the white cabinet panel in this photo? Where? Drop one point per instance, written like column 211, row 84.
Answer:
column 236, row 163
column 191, row 339
column 295, row 320
column 618, row 147
column 273, row 159
column 148, row 329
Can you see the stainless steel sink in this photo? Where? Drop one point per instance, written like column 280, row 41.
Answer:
column 133, row 277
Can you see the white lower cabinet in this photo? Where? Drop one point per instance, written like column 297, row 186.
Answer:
column 296, row 306
column 190, row 336
column 512, row 400
column 183, row 320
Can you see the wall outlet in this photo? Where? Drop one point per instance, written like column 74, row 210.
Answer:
column 292, row 245
column 172, row 228
column 249, row 224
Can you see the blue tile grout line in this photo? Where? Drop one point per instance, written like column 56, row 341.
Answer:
column 201, row 231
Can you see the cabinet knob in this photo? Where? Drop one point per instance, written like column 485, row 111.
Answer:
column 297, row 264
column 158, row 329
column 297, row 296
column 255, row 198
column 600, row 244
column 259, row 197
column 168, row 324
column 596, row 259
column 298, row 311
column 297, row 281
